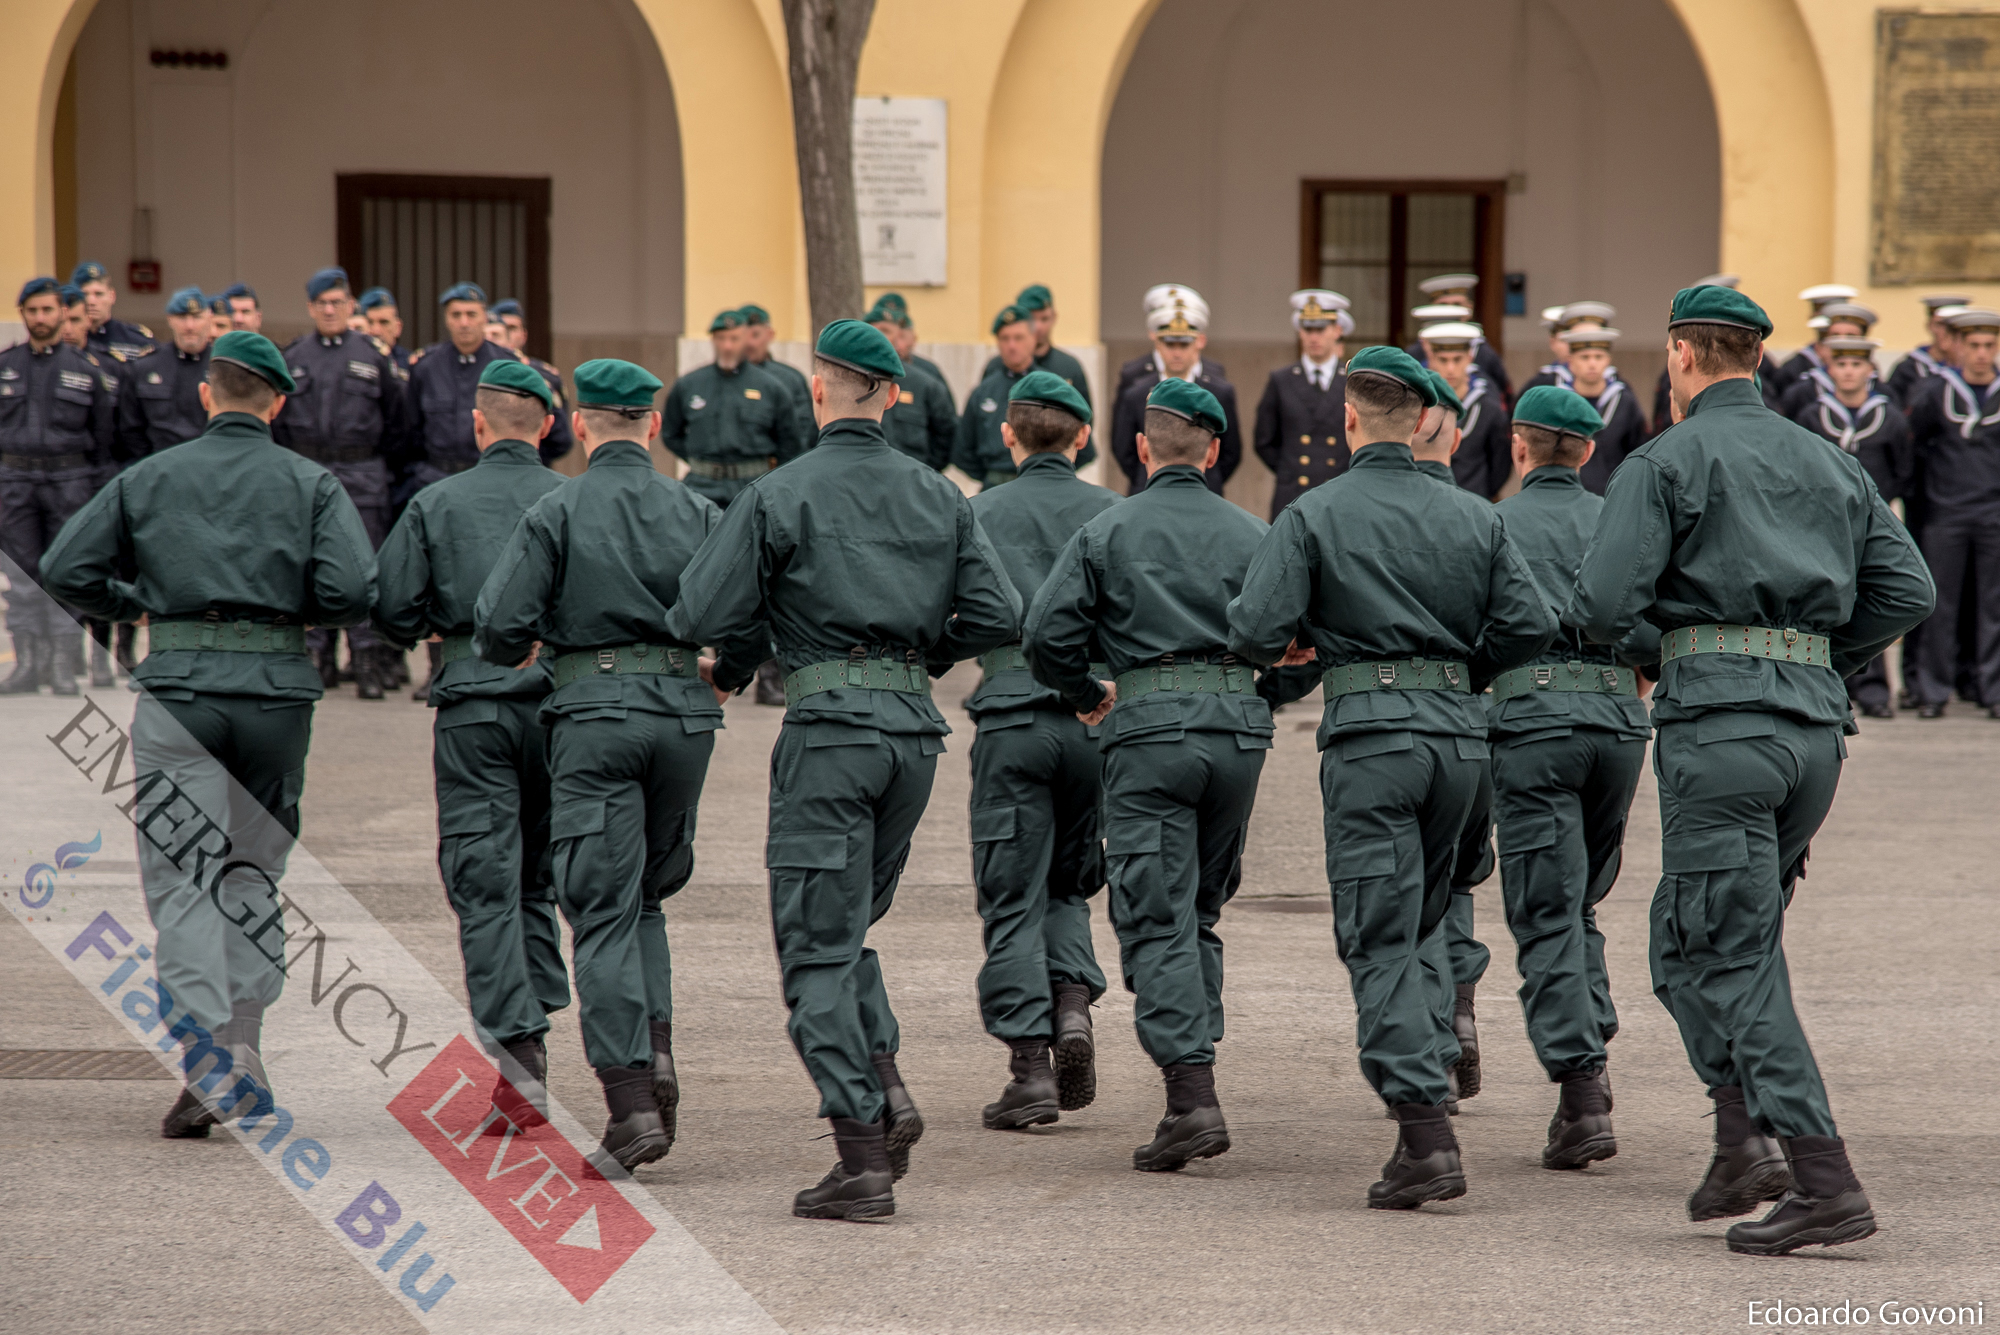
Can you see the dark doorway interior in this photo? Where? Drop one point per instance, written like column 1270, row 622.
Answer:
column 1374, row 241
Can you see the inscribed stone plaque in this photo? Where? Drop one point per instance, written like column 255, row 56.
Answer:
column 899, row 184
column 1937, row 148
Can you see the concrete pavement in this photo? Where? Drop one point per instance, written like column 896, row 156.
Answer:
column 1891, row 950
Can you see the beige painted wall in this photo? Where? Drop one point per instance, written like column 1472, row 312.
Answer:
column 239, row 166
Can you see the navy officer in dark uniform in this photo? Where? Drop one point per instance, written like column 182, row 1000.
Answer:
column 107, row 333
column 1301, row 431
column 444, row 378
column 1455, row 289
column 385, row 321
column 1179, row 334
column 515, row 321
column 160, row 402
column 1162, row 296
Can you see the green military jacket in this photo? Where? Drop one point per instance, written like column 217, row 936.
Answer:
column 1029, row 524
column 800, row 388
column 979, row 451
column 1057, row 362
column 731, row 417
column 1383, row 564
column 1550, row 520
column 1149, row 577
column 854, row 547
column 922, row 423
column 928, row 367
column 430, row 569
column 231, row 523
column 595, row 564
column 1738, row 516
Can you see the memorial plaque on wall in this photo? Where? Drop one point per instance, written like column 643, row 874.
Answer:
column 899, row 184
column 1936, row 211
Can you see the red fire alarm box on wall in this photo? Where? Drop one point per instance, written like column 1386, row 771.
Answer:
column 142, row 276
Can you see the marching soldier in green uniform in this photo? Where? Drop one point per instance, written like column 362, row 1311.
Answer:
column 230, row 545
column 758, row 335
column 1569, row 737
column 588, row 575
column 1037, row 303
column 922, row 422
column 1035, row 784
column 1773, row 569
column 1149, row 580
column 491, row 744
column 732, row 421
column 868, row 566
column 1413, row 598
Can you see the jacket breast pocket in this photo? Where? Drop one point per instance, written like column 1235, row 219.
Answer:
column 71, row 408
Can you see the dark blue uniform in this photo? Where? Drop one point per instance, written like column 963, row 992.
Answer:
column 1485, row 456
column 58, row 417
column 159, row 401
column 443, row 382
column 1129, row 419
column 1301, row 433
column 1490, row 364
column 1624, row 431
column 1955, row 428
column 1913, row 370
column 130, row 341
column 1150, row 364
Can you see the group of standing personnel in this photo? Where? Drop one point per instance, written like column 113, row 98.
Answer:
column 1132, row 651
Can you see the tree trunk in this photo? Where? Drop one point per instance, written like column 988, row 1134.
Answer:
column 824, row 38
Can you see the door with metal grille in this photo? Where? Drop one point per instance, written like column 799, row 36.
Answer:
column 418, row 235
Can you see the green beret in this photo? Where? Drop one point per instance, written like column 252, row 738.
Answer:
column 859, row 347
column 752, row 313
column 892, row 301
column 1397, row 365
column 1052, row 391
column 257, row 355
column 1035, row 297
column 730, row 319
column 1008, row 315
column 517, row 378
column 884, row 313
column 1718, row 305
column 1446, row 398
column 1561, row 409
column 610, row 383
column 1185, row 399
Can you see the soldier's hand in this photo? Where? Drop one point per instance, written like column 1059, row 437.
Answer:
column 1294, row 656
column 529, row 661
column 1096, row 716
column 707, row 668
column 439, row 639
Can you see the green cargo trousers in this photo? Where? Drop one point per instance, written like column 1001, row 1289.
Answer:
column 1036, row 861
column 1473, row 864
column 623, row 793
column 1561, row 804
column 1396, row 808
column 216, row 809
column 1741, row 795
column 1175, row 811
column 491, row 760
column 844, row 802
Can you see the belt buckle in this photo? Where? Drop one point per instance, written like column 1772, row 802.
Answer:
column 607, row 660
column 1610, row 678
column 1386, row 673
column 1451, row 674
column 674, row 659
column 1544, row 676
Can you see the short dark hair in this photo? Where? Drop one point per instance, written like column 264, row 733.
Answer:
column 238, row 388
column 1042, row 428
column 1173, row 439
column 1720, row 349
column 609, row 423
column 1384, row 400
column 517, row 415
column 1546, row 446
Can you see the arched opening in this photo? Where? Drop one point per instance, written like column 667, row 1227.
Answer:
column 227, row 172
column 1593, row 125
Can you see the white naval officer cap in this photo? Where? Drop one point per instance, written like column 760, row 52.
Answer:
column 1975, row 318
column 1932, row 303
column 1728, row 280
column 1849, row 345
column 1451, row 334
column 1848, row 310
column 1593, row 312
column 1166, row 294
column 1449, row 285
column 1828, row 292
column 1589, row 336
column 1552, row 318
column 1316, row 306
column 1181, row 319
column 1435, row 314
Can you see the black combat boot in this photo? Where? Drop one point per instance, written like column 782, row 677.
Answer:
column 1824, row 1208
column 1425, row 1165
column 525, row 1101
column 188, row 1119
column 27, row 674
column 1030, row 1097
column 1748, row 1168
column 64, row 663
column 770, row 683
column 666, row 1085
column 243, row 1034
column 861, row 1183
column 126, row 650
column 634, row 1135
column 1468, row 1041
column 1580, row 1132
column 1075, row 1048
column 1193, row 1127
column 101, row 677
column 367, row 671
column 904, row 1126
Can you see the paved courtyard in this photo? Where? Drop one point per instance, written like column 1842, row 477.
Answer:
column 1891, row 943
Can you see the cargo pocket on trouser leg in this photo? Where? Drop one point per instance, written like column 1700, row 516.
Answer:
column 466, row 857
column 817, row 916
column 1713, row 916
column 996, row 874
column 1361, row 903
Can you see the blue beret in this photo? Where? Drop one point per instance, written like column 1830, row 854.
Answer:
column 69, row 294
column 519, row 378
column 859, row 347
column 462, row 292
column 754, row 314
column 257, row 355
column 1560, row 409
column 610, row 383
column 90, row 271
column 377, row 296
column 506, row 306
column 240, row 290
column 1445, row 396
column 1051, row 391
column 1718, row 305
column 219, row 303
column 1189, row 401
column 187, row 301
column 325, row 280
column 34, row 287
column 1397, row 365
